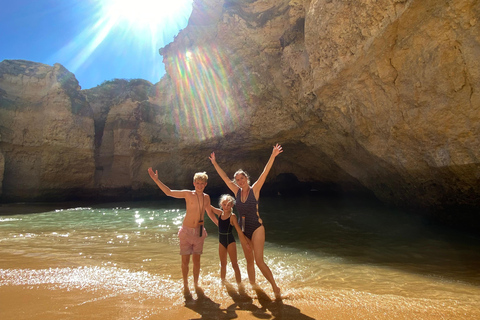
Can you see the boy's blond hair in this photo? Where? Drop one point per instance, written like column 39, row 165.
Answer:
column 202, row 176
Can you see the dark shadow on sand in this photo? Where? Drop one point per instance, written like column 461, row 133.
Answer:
column 274, row 310
column 207, row 308
column 270, row 309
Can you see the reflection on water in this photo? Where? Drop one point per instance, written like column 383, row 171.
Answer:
column 326, row 254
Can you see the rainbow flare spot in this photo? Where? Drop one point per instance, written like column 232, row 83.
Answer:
column 207, row 105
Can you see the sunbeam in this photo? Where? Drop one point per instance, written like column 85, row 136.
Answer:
column 208, row 104
column 132, row 30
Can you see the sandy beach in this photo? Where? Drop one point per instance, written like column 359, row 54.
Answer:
column 45, row 302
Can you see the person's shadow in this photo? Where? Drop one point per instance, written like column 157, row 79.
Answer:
column 207, row 308
column 278, row 309
column 242, row 301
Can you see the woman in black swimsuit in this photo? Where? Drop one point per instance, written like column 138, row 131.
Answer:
column 226, row 221
column 247, row 205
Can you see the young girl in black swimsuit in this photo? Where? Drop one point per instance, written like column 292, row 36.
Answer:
column 247, row 205
column 226, row 221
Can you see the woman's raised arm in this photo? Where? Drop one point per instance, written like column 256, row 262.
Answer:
column 257, row 186
column 230, row 184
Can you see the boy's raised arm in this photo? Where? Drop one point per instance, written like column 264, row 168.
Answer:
column 164, row 188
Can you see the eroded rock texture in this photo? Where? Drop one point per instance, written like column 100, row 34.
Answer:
column 382, row 94
column 375, row 95
column 46, row 130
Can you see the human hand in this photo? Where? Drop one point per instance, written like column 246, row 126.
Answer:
column 277, row 149
column 212, row 157
column 245, row 244
column 153, row 175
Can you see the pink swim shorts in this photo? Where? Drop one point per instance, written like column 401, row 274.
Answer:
column 190, row 241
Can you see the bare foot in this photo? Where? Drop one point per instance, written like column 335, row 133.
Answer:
column 241, row 288
column 199, row 292
column 187, row 294
column 278, row 296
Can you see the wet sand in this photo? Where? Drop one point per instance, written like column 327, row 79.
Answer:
column 47, row 302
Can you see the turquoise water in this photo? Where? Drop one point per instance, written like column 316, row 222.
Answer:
column 336, row 249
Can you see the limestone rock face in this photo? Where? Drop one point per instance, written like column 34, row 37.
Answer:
column 46, row 130
column 378, row 94
column 129, row 128
column 403, row 98
column 137, row 126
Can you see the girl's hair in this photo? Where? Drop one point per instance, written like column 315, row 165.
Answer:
column 241, row 171
column 227, row 197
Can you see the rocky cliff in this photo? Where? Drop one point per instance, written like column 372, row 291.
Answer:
column 46, row 131
column 378, row 96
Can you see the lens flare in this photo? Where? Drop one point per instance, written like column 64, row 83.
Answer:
column 208, row 103
column 122, row 37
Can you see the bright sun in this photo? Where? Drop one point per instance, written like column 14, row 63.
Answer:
column 140, row 14
column 133, row 30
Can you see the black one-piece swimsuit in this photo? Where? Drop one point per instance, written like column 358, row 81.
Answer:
column 225, row 234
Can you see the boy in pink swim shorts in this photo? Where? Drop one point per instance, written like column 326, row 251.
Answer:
column 192, row 234
column 191, row 242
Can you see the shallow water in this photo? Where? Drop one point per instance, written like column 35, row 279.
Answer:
column 333, row 258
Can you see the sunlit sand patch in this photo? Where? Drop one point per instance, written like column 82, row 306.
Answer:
column 103, row 292
column 119, row 281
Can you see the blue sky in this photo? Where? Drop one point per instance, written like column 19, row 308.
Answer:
column 97, row 40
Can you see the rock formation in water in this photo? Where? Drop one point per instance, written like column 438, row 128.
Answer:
column 363, row 95
column 46, row 130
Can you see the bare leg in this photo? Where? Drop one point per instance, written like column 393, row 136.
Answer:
column 196, row 269
column 258, row 240
column 222, row 253
column 232, row 252
column 248, row 253
column 185, row 262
